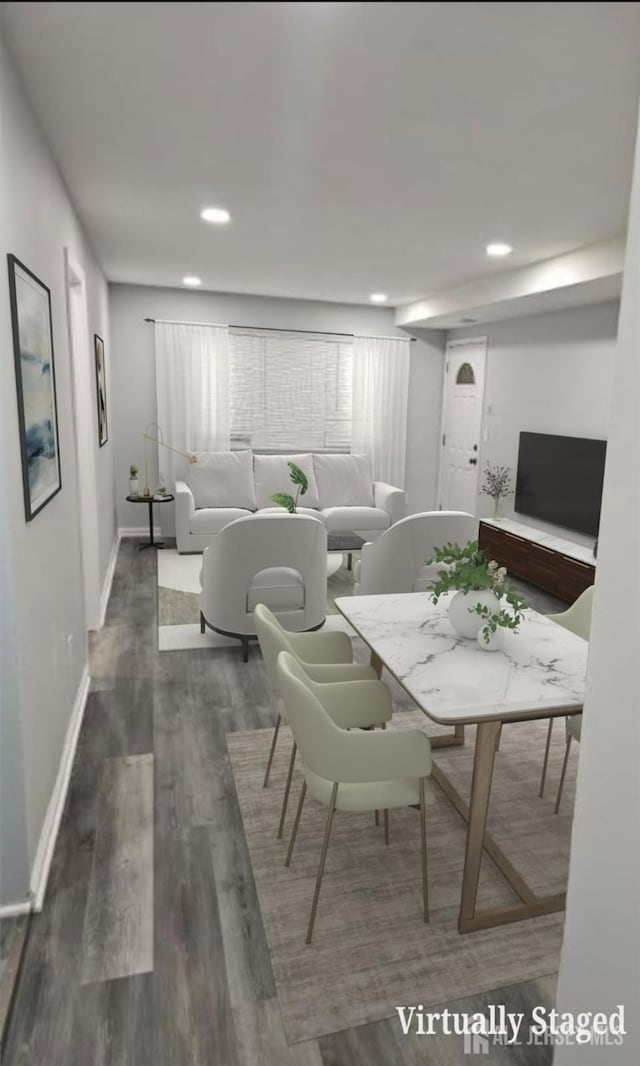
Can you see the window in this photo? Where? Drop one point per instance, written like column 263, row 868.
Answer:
column 290, row 391
column 465, row 375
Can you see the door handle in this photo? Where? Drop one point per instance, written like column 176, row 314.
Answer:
column 473, row 462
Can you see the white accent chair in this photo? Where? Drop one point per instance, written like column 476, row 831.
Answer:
column 276, row 559
column 326, row 658
column 576, row 618
column 396, row 562
column 350, row 771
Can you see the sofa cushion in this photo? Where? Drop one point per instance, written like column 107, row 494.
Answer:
column 272, row 474
column 281, row 510
column 343, row 480
column 343, row 519
column 280, row 588
column 213, row 519
column 222, row 479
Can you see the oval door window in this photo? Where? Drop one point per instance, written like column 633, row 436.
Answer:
column 465, row 375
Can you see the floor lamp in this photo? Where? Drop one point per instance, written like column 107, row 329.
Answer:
column 159, row 439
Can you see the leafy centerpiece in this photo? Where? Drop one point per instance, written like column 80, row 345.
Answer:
column 497, row 484
column 485, row 604
column 299, row 478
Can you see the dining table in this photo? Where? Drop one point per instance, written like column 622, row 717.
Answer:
column 539, row 674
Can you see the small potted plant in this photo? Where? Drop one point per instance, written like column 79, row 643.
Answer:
column 299, row 478
column 134, row 484
column 485, row 604
column 497, row 484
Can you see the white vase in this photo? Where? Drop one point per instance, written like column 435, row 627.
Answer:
column 134, row 486
column 465, row 621
column 489, row 641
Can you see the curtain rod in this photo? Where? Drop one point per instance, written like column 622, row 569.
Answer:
column 276, row 329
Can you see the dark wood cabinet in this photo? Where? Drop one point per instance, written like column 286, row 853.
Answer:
column 543, row 567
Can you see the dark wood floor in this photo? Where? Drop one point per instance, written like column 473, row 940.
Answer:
column 150, row 949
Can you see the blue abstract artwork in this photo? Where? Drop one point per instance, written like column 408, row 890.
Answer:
column 35, row 384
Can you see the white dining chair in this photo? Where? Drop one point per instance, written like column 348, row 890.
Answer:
column 326, row 657
column 576, row 618
column 573, row 732
column 350, row 770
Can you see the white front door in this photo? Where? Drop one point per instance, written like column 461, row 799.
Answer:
column 461, row 425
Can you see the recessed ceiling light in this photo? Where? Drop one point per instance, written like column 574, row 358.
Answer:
column 498, row 249
column 192, row 280
column 218, row 215
column 378, row 297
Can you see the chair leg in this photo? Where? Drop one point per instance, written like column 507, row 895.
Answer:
column 386, row 826
column 202, row 623
column 272, row 752
column 245, row 650
column 285, row 798
column 562, row 775
column 323, row 859
column 546, row 758
column 376, row 815
column 423, row 844
column 294, row 832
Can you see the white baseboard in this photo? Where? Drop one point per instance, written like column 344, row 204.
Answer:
column 138, row 531
column 49, row 833
column 108, row 579
column 14, row 910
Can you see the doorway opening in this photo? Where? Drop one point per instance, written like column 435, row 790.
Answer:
column 83, row 404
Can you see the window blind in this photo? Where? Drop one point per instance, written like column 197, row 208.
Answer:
column 290, row 391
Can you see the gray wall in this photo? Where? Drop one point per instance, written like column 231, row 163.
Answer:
column 43, row 614
column 134, row 389
column 548, row 373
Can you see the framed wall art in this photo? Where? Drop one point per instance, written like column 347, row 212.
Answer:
column 101, row 390
column 36, row 387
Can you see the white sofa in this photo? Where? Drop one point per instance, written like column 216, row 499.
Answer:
column 223, row 486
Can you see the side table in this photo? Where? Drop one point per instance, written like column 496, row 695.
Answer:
column 150, row 500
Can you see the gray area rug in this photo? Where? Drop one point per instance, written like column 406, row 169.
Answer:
column 371, row 951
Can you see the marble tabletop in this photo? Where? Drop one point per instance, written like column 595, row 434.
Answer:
column 540, row 672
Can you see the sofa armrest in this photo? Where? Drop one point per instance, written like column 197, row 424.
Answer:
column 390, row 499
column 185, row 509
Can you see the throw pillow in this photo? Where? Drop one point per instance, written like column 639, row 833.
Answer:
column 272, row 475
column 222, row 479
column 343, row 480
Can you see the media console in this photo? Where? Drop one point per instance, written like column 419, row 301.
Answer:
column 551, row 563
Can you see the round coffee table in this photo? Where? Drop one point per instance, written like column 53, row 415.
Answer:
column 151, row 543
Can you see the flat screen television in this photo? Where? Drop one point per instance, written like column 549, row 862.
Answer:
column 559, row 480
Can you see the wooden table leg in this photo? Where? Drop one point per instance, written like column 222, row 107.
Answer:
column 484, row 758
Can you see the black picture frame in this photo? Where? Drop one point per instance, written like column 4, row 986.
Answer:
column 32, row 330
column 101, row 390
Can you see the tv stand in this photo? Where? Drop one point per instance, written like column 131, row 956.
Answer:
column 558, row 566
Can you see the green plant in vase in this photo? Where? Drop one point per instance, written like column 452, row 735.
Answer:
column 497, row 484
column 299, row 478
column 485, row 604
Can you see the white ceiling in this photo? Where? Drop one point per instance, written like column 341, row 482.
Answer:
column 359, row 146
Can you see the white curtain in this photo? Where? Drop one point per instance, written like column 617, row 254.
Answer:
column 379, row 405
column 192, row 388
